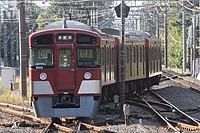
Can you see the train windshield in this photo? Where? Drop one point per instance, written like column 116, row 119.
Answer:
column 88, row 57
column 41, row 57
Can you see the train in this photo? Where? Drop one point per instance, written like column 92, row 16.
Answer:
column 74, row 67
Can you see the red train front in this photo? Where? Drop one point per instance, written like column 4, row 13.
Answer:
column 65, row 72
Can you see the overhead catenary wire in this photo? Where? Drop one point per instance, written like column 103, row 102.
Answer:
column 188, row 7
column 174, row 38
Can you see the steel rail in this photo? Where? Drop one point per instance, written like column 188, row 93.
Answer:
column 174, row 107
column 38, row 120
column 153, row 102
column 16, row 107
column 92, row 127
column 33, row 118
column 196, row 82
column 170, row 126
column 183, row 125
column 178, row 82
column 173, row 76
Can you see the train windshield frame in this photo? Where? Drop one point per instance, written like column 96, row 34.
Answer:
column 41, row 58
column 88, row 57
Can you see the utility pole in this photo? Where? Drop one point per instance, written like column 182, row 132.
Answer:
column 157, row 25
column 194, row 45
column 166, row 37
column 184, row 37
column 12, row 42
column 5, row 38
column 136, row 24
column 22, row 43
column 122, row 97
column 122, row 11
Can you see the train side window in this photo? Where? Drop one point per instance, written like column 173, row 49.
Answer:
column 103, row 56
column 128, row 55
column 112, row 56
column 64, row 58
column 153, row 52
column 141, row 54
column 131, row 54
column 108, row 55
column 150, row 51
column 115, row 55
column 105, row 62
column 144, row 54
column 134, row 55
column 137, row 60
column 131, row 61
column 157, row 51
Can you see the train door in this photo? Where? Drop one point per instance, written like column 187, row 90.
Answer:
column 64, row 67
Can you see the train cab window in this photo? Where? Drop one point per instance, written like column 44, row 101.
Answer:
column 41, row 58
column 88, row 57
column 85, row 39
column 64, row 58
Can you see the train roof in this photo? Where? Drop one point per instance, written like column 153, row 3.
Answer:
column 67, row 24
column 111, row 31
column 138, row 33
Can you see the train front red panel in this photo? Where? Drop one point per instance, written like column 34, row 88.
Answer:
column 89, row 86
column 41, row 86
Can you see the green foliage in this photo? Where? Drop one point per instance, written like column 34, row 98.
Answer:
column 51, row 14
column 175, row 45
column 1, row 89
column 67, row 10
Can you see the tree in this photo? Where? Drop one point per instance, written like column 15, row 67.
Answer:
column 79, row 11
column 175, row 46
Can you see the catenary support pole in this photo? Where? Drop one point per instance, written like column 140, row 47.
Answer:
column 166, row 37
column 122, row 88
column 22, row 43
column 184, row 37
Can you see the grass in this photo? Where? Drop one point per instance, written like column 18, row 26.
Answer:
column 5, row 95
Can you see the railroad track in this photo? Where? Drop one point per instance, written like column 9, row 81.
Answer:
column 184, row 81
column 28, row 114
column 175, row 119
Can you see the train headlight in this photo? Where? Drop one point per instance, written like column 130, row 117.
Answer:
column 43, row 76
column 87, row 75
